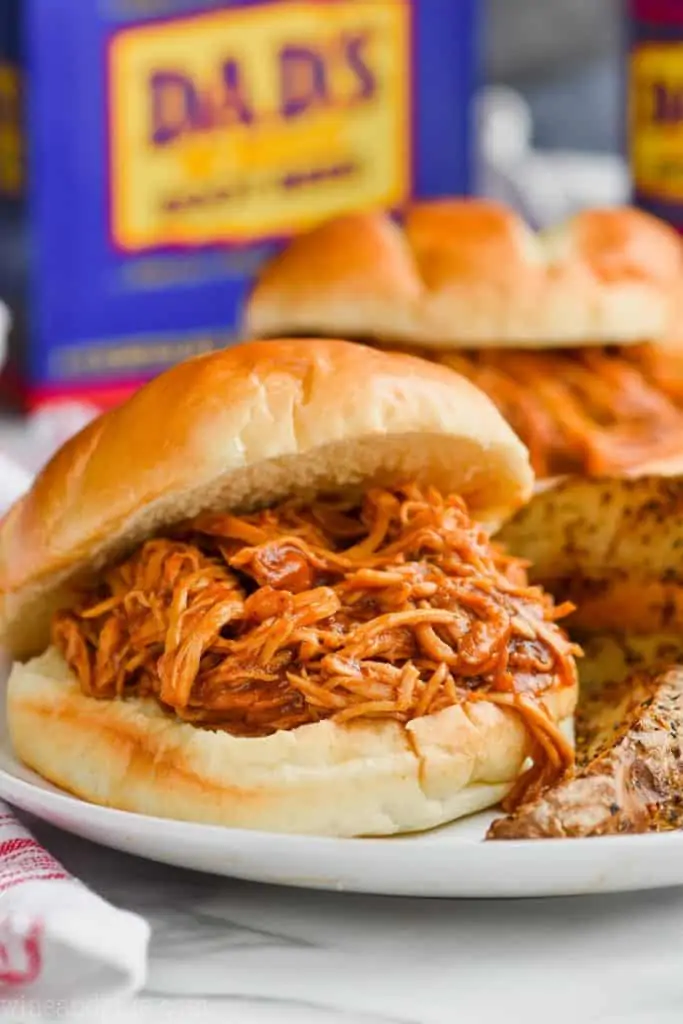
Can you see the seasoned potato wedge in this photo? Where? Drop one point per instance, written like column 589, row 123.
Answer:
column 612, row 546
column 615, row 548
column 629, row 773
column 601, row 524
column 613, row 657
column 629, row 731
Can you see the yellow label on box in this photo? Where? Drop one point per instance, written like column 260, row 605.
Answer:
column 656, row 119
column 11, row 139
column 253, row 122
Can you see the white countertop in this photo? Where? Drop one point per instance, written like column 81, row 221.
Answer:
column 226, row 951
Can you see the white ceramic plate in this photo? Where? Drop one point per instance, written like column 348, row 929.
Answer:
column 447, row 862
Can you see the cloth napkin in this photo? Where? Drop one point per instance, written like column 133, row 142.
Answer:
column 62, row 947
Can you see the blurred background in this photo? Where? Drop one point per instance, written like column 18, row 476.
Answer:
column 554, row 104
column 565, row 57
column 148, row 165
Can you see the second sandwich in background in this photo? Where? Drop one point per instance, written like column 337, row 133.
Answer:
column 570, row 332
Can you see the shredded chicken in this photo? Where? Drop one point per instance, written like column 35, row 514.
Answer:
column 593, row 410
column 394, row 608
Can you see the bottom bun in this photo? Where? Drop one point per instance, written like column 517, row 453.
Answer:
column 367, row 778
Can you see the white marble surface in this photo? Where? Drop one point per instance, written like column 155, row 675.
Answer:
column 226, row 951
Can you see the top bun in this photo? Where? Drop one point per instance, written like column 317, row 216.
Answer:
column 242, row 428
column 472, row 273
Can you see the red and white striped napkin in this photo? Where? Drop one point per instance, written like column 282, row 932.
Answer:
column 60, row 943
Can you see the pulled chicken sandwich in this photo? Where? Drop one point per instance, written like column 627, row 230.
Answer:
column 573, row 332
column 303, row 627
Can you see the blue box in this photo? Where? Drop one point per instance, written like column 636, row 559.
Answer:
column 153, row 152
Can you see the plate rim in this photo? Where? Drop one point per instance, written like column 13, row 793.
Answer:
column 63, row 798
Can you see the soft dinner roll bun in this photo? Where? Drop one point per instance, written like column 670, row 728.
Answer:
column 369, row 778
column 241, row 428
column 471, row 273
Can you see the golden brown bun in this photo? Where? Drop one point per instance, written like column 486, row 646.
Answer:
column 472, row 273
column 342, row 780
column 243, row 427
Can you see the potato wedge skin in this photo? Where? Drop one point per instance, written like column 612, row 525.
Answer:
column 629, row 767
column 629, row 775
column 614, row 547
